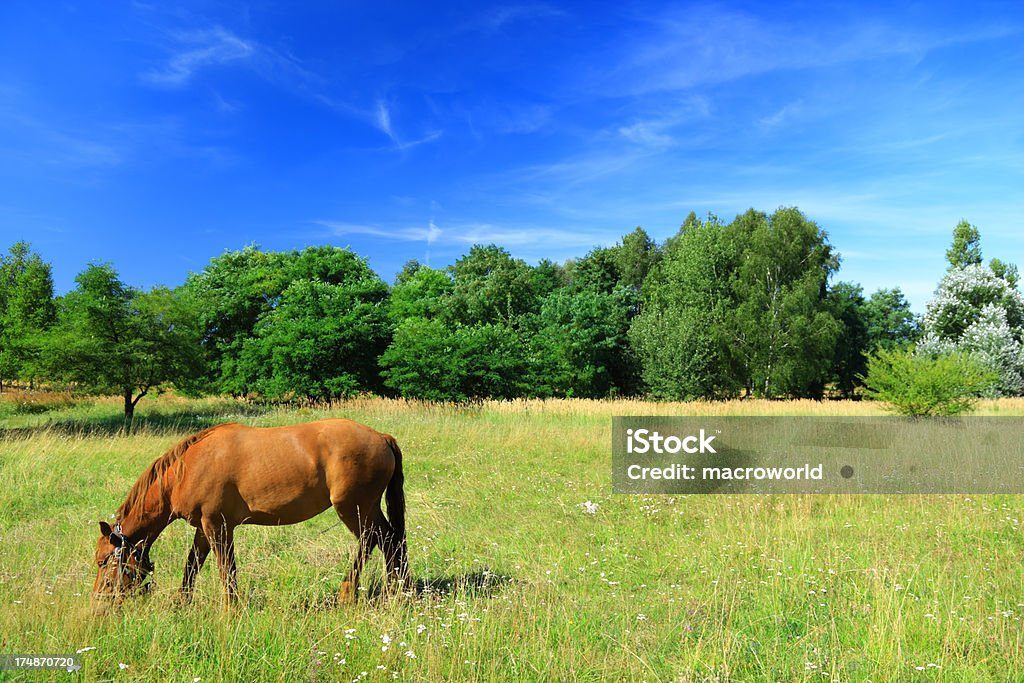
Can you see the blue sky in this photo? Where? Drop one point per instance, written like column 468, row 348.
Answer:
column 157, row 137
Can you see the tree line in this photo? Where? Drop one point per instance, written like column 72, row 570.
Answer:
column 720, row 310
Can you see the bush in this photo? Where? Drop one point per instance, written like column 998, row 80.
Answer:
column 919, row 385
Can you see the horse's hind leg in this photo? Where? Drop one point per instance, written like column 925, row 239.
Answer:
column 369, row 535
column 222, row 538
column 396, row 558
column 196, row 558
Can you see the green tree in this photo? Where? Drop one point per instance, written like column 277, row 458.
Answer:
column 321, row 341
column 238, row 289
column 636, row 255
column 978, row 313
column 966, row 248
column 114, row 339
column 547, row 277
column 679, row 334
column 890, row 322
column 598, row 271
column 849, row 361
column 430, row 360
column 421, row 291
column 27, row 310
column 783, row 330
column 581, row 347
column 421, row 362
column 1005, row 271
column 232, row 292
column 491, row 287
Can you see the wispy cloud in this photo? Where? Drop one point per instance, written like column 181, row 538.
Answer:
column 783, row 115
column 196, row 50
column 382, row 120
column 466, row 234
column 647, row 133
column 62, row 144
column 702, row 45
column 497, row 18
column 429, row 234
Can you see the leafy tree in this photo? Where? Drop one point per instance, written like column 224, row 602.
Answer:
column 919, row 384
column 582, row 346
column 490, row 287
column 238, row 289
column 494, row 359
column 598, row 271
column 976, row 312
column 114, row 339
column 27, row 310
column 966, row 248
column 849, row 361
column 547, row 277
column 1006, row 271
column 624, row 265
column 429, row 360
column 421, row 363
column 422, row 292
column 232, row 292
column 322, row 340
column 679, row 332
column 890, row 322
column 636, row 255
column 960, row 298
column 783, row 331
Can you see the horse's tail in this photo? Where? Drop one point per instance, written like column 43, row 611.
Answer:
column 395, row 494
column 398, row 561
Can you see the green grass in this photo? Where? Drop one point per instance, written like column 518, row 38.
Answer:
column 522, row 583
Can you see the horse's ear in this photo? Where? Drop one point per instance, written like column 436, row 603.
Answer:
column 105, row 529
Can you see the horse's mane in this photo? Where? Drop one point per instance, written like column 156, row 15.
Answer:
column 154, row 474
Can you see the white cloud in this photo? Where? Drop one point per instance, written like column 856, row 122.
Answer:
column 197, row 50
column 467, row 234
column 783, row 115
column 700, row 45
column 382, row 121
column 646, row 133
column 402, row 234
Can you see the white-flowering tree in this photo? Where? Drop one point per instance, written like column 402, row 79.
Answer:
column 981, row 314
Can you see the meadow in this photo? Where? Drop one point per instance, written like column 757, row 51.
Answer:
column 527, row 566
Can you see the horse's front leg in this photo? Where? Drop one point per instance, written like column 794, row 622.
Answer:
column 221, row 537
column 196, row 557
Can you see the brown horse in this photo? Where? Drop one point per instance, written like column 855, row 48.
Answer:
column 232, row 474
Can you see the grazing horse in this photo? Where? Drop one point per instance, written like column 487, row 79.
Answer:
column 232, row 474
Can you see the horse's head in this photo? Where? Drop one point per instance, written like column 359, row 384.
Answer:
column 122, row 566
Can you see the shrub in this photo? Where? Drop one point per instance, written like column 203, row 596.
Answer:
column 919, row 384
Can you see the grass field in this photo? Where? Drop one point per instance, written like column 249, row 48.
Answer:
column 517, row 580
